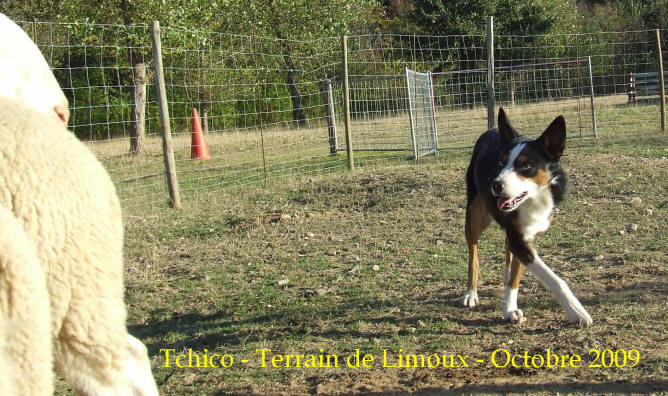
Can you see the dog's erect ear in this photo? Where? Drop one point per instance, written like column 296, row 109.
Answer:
column 554, row 138
column 506, row 130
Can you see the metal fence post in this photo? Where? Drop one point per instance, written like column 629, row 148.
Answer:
column 490, row 73
column 433, row 109
column 662, row 84
column 409, row 86
column 346, row 100
column 591, row 96
column 167, row 151
column 328, row 99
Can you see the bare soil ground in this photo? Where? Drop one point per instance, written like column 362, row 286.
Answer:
column 375, row 259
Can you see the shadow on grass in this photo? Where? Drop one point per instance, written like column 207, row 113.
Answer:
column 608, row 388
column 341, row 321
column 552, row 387
column 289, row 322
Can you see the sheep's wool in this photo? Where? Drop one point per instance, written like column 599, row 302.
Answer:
column 66, row 205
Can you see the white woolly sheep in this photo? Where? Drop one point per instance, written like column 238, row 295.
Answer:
column 11, row 375
column 65, row 203
column 25, row 320
column 24, row 74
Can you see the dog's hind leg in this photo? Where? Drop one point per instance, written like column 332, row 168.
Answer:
column 513, row 275
column 477, row 219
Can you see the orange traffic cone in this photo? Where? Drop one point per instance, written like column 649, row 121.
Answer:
column 198, row 148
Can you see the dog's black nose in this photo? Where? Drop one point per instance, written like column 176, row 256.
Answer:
column 497, row 187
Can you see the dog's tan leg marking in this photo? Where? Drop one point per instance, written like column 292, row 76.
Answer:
column 509, row 258
column 516, row 271
column 477, row 219
column 513, row 275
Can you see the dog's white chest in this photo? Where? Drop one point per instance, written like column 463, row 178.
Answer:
column 534, row 215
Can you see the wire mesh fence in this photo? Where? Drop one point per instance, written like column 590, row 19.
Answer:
column 261, row 103
column 93, row 64
column 274, row 109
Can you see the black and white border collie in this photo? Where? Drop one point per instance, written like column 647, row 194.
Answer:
column 517, row 182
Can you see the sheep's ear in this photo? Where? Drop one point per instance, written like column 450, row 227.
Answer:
column 506, row 130
column 554, row 138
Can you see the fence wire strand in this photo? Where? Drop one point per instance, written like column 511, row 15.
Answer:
column 219, row 74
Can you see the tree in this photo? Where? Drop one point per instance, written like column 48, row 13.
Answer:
column 286, row 29
column 466, row 17
column 622, row 15
column 294, row 24
column 128, row 13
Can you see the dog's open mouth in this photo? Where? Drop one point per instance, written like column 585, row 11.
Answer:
column 505, row 203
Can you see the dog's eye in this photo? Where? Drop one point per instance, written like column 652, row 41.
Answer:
column 526, row 166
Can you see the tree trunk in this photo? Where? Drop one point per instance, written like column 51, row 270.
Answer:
column 298, row 115
column 138, row 116
column 204, row 116
column 297, row 110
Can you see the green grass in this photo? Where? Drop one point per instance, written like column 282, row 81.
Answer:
column 376, row 258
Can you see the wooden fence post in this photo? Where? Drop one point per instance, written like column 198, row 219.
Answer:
column 662, row 84
column 34, row 29
column 259, row 110
column 138, row 111
column 490, row 73
column 167, row 151
column 346, row 101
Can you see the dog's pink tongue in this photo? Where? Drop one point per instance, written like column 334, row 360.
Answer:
column 501, row 202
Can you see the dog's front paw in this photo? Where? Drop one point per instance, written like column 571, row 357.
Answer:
column 470, row 299
column 514, row 315
column 578, row 314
